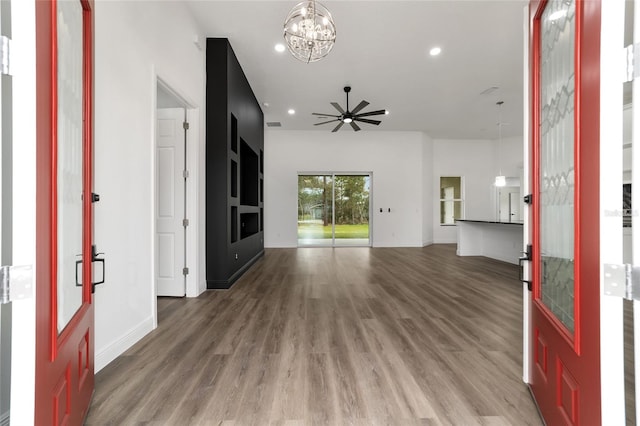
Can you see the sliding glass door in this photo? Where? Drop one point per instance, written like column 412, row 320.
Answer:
column 315, row 210
column 333, row 209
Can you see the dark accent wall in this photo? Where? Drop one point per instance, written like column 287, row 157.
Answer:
column 234, row 172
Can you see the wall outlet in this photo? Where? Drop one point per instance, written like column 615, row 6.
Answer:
column 236, row 256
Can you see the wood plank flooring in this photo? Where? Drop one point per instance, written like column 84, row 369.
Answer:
column 321, row 336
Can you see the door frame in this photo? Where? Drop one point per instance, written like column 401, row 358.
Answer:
column 24, row 208
column 193, row 289
column 611, row 179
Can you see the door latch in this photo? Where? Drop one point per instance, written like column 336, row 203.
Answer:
column 94, row 259
column 527, row 257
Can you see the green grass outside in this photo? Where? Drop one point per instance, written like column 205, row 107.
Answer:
column 314, row 231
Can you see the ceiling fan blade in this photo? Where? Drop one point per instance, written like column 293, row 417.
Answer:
column 366, row 120
column 338, row 107
column 378, row 112
column 360, row 106
column 324, row 115
column 338, row 127
column 325, row 122
column 355, row 126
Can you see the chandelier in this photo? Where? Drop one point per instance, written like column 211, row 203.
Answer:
column 309, row 31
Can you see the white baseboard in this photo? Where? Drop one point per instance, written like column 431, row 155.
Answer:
column 446, row 241
column 105, row 355
column 427, row 243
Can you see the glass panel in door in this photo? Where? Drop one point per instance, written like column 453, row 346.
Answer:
column 557, row 179
column 315, row 212
column 352, row 210
column 69, row 159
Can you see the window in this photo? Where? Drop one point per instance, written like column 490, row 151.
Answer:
column 451, row 207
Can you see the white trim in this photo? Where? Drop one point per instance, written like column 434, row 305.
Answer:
column 193, row 289
column 23, row 345
column 152, row 198
column 611, row 141
column 526, row 212
column 193, row 138
column 119, row 346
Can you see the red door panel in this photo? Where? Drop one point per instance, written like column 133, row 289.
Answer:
column 565, row 82
column 64, row 321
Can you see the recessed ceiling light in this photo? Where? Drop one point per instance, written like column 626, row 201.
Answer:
column 280, row 47
column 291, row 111
column 265, row 104
column 435, row 51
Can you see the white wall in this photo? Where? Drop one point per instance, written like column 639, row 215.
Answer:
column 427, row 190
column 135, row 43
column 394, row 158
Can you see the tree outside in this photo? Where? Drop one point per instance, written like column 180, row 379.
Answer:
column 315, row 206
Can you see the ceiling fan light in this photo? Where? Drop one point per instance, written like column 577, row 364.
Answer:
column 347, row 120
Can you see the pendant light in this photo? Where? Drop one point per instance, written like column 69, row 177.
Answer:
column 501, row 180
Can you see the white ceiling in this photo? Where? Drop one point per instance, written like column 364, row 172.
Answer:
column 382, row 52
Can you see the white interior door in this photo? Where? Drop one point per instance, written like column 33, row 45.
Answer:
column 170, row 202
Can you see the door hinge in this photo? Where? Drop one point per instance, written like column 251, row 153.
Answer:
column 5, row 55
column 16, row 282
column 528, row 199
column 185, row 271
column 622, row 280
column 185, row 174
column 185, row 222
column 185, row 125
column 631, row 66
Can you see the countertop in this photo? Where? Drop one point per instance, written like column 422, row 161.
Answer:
column 491, row 221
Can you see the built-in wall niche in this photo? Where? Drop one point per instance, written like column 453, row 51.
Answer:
column 261, row 161
column 234, row 224
column 261, row 219
column 248, row 175
column 234, row 179
column 234, row 134
column 248, row 224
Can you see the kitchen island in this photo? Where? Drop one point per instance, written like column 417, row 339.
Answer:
column 497, row 240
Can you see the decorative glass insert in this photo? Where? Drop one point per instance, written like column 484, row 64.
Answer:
column 69, row 152
column 557, row 168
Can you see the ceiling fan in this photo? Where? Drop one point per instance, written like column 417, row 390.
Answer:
column 350, row 117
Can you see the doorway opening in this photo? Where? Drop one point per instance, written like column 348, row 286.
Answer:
column 175, row 195
column 333, row 209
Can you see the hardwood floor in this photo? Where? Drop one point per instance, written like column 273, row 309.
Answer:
column 345, row 336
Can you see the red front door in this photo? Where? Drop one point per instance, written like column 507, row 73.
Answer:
column 65, row 312
column 565, row 73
